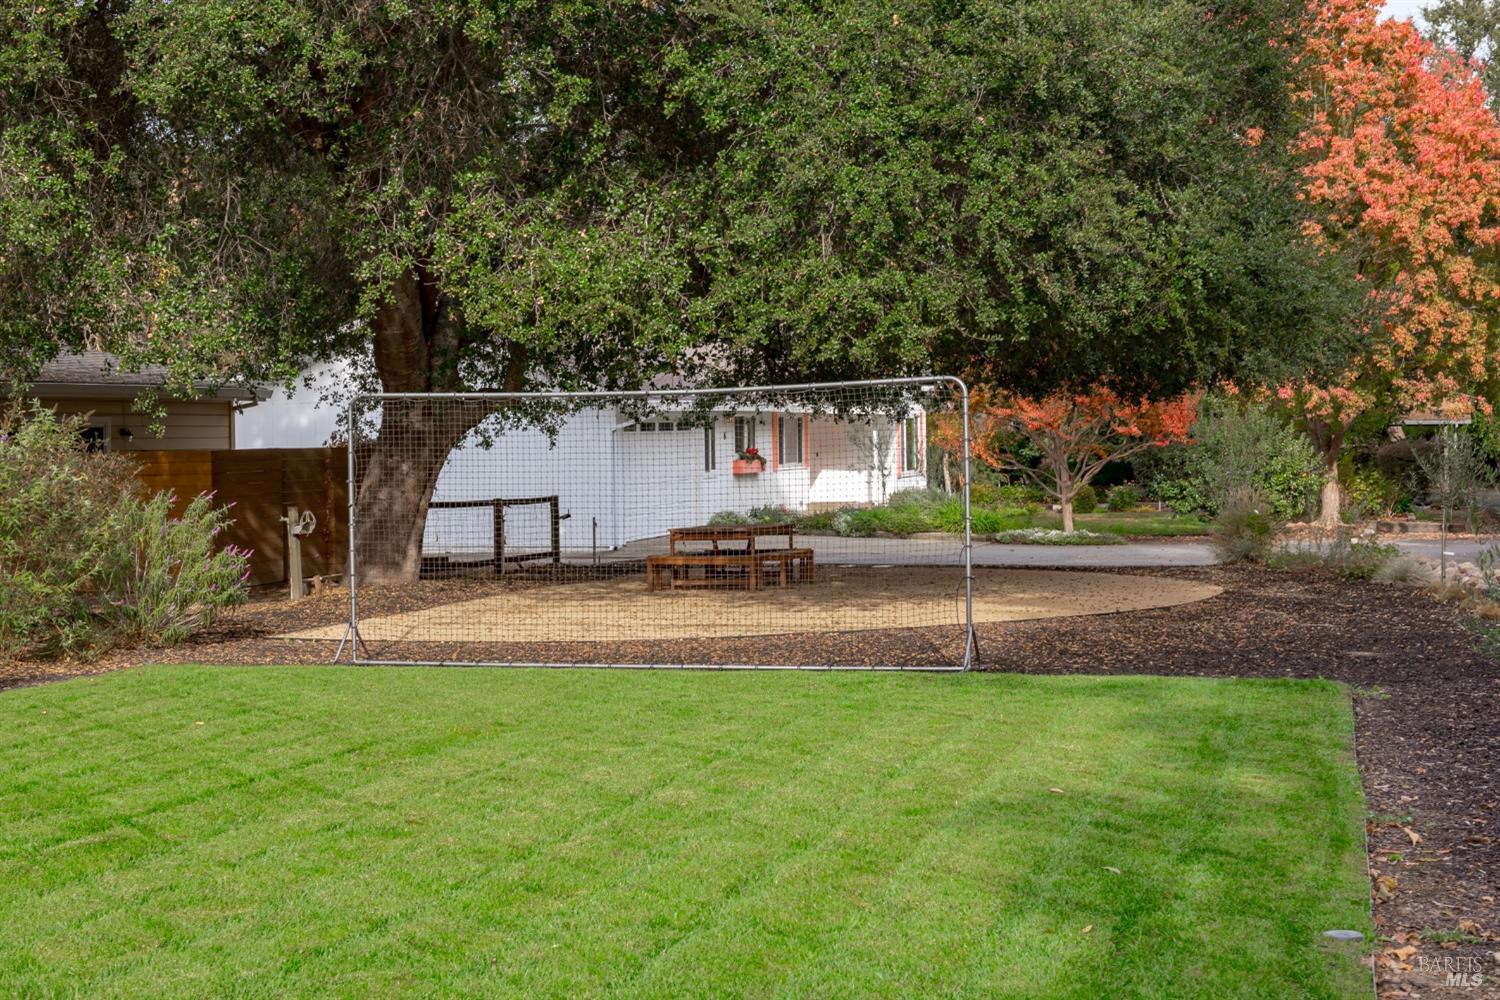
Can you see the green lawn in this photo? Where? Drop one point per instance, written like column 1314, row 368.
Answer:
column 1136, row 522
column 390, row 832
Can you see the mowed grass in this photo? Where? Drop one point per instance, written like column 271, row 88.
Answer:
column 199, row 831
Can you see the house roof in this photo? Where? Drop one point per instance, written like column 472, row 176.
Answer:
column 99, row 374
column 1436, row 418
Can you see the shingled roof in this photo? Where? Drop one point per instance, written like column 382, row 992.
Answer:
column 99, row 374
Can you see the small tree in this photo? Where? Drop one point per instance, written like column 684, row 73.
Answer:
column 1456, row 471
column 872, row 449
column 1076, row 434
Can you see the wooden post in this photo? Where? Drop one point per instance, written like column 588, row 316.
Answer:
column 499, row 507
column 294, row 553
column 552, row 506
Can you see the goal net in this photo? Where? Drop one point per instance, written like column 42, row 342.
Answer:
column 782, row 526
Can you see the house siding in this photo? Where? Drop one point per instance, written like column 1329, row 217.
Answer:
column 201, row 424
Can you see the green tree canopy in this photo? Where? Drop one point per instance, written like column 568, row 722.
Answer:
column 487, row 194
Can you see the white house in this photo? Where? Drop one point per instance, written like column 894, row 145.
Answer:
column 620, row 478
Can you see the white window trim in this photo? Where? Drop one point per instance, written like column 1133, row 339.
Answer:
column 911, row 470
column 781, row 459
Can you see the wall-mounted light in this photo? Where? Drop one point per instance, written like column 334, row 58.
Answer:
column 127, row 434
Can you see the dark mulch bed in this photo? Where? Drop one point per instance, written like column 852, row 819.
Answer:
column 1427, row 708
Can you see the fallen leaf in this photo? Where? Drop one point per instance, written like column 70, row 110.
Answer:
column 1404, row 953
column 1416, row 838
column 1087, row 928
column 1470, row 927
column 1057, row 791
column 1112, row 868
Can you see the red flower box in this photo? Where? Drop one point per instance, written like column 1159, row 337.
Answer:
column 748, row 466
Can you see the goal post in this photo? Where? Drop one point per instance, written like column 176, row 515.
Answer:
column 821, row 525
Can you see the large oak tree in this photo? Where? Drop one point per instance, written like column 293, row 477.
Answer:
column 482, row 194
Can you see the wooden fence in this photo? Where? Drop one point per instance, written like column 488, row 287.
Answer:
column 261, row 484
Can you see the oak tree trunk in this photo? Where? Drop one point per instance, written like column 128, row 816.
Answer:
column 418, row 341
column 396, row 487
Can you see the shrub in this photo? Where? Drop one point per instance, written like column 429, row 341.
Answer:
column 1023, row 495
column 863, row 522
column 1237, row 449
column 1343, row 555
column 771, row 513
column 85, row 561
column 1244, row 531
column 1085, row 501
column 1355, row 559
column 1184, row 495
column 1408, row 570
column 1370, row 492
column 920, row 499
column 167, row 581
column 819, row 522
column 1124, row 497
column 725, row 518
column 949, row 516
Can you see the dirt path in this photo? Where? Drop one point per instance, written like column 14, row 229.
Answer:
column 621, row 608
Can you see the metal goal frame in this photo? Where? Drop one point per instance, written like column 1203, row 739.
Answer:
column 358, row 650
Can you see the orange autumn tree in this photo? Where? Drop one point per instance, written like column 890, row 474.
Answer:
column 1403, row 172
column 1075, row 433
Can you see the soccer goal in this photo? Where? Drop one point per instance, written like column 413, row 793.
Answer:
column 804, row 526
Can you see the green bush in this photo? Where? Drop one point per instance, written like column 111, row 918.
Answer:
column 771, row 513
column 1245, row 532
column 1343, row 555
column 1184, row 495
column 949, row 516
column 1085, row 501
column 726, row 518
column 85, row 561
column 168, row 581
column 1124, row 497
column 1238, row 449
column 819, row 522
column 1371, row 493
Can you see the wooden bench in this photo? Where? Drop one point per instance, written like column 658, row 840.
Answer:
column 729, row 569
column 787, row 564
column 746, row 570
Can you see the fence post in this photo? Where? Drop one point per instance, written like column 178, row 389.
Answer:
column 499, row 519
column 293, row 553
column 556, row 531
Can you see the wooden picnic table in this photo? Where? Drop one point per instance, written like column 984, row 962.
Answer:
column 740, row 567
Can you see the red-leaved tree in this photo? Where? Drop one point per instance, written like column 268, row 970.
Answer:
column 1075, row 434
column 1403, row 171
